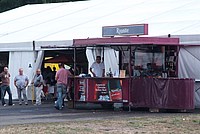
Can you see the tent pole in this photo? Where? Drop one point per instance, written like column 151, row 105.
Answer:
column 130, row 83
column 74, row 76
column 34, row 51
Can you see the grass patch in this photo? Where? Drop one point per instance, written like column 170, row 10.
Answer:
column 196, row 121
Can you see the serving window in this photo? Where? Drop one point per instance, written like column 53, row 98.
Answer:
column 150, row 61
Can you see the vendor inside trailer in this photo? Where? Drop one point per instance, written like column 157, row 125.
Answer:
column 150, row 61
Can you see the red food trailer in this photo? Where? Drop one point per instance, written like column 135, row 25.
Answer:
column 159, row 87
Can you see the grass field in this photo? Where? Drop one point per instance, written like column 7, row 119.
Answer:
column 156, row 124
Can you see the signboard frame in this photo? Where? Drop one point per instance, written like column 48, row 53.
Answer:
column 125, row 30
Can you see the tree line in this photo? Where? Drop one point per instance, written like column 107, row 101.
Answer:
column 6, row 5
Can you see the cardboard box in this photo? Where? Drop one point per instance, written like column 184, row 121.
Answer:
column 122, row 73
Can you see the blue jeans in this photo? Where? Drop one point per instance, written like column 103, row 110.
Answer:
column 61, row 93
column 4, row 89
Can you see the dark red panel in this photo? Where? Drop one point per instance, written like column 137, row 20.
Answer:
column 169, row 93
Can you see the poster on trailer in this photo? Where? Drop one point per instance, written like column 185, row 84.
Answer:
column 115, row 89
column 101, row 90
column 108, row 90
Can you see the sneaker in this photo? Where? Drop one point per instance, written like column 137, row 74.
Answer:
column 36, row 104
column 12, row 105
column 20, row 103
column 58, row 108
column 26, row 103
column 4, row 105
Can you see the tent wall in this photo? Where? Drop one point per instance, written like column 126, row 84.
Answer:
column 111, row 60
column 56, row 45
column 28, row 56
column 38, row 59
column 29, row 46
column 20, row 60
column 24, row 60
column 193, row 39
column 189, row 63
column 197, row 94
column 21, row 46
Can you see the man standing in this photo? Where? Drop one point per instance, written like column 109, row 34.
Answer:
column 62, row 81
column 5, row 87
column 38, row 85
column 21, row 82
column 98, row 68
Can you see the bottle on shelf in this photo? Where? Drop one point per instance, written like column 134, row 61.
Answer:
column 110, row 73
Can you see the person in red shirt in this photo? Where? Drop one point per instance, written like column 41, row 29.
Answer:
column 62, row 80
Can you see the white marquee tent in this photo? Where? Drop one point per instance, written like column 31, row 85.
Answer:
column 62, row 22
column 70, row 20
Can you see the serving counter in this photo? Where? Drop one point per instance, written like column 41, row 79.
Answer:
column 161, row 93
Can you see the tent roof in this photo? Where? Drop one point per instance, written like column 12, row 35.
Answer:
column 72, row 20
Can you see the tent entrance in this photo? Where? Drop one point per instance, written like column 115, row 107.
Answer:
column 4, row 58
column 53, row 57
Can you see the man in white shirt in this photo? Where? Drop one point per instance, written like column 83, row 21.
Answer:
column 21, row 82
column 98, row 68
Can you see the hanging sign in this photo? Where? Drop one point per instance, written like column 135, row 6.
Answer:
column 125, row 30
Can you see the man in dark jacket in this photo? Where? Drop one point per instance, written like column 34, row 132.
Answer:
column 5, row 86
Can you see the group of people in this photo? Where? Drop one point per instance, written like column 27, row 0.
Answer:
column 21, row 82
